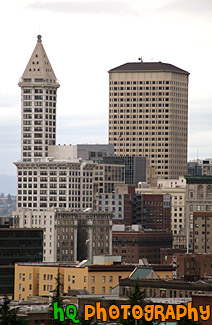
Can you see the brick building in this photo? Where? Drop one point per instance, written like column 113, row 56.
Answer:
column 134, row 243
column 193, row 266
column 152, row 211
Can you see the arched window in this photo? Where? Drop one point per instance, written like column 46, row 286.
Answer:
column 200, row 192
column 191, row 194
column 209, row 191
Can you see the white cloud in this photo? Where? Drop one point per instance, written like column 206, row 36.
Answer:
column 85, row 7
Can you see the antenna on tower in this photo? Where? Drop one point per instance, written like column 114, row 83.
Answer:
column 140, row 59
column 197, row 154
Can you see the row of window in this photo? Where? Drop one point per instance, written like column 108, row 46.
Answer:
column 147, row 82
column 55, row 205
column 39, row 91
column 52, row 173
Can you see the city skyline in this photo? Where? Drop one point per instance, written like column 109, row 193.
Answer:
column 84, row 119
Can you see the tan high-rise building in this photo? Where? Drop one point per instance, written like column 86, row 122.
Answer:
column 148, row 115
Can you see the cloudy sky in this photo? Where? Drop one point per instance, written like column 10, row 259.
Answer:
column 83, row 40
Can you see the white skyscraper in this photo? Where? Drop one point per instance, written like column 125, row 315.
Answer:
column 38, row 97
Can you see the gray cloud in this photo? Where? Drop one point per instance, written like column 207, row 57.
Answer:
column 86, row 7
column 198, row 122
column 8, row 100
column 86, row 129
column 10, row 136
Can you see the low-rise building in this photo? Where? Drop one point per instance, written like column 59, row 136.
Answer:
column 198, row 199
column 69, row 235
column 202, row 232
column 200, row 167
column 17, row 245
column 94, row 152
column 52, row 183
column 118, row 202
column 189, row 265
column 152, row 211
column 81, row 235
column 176, row 188
column 134, row 243
column 33, row 219
column 38, row 279
column 137, row 169
column 160, row 288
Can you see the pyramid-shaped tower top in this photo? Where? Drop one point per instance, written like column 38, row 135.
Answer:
column 39, row 66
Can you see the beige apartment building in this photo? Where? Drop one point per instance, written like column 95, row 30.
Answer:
column 148, row 114
column 38, row 279
column 177, row 190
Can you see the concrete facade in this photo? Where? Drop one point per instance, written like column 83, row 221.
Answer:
column 66, row 230
column 81, row 235
column 198, row 199
column 200, row 167
column 202, row 231
column 29, row 218
column 55, row 184
column 38, row 101
column 148, row 115
column 83, row 151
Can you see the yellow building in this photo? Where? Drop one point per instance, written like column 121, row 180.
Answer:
column 39, row 279
column 164, row 272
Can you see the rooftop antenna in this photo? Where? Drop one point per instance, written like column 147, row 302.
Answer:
column 197, row 154
column 39, row 35
column 140, row 59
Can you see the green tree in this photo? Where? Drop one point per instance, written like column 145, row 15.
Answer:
column 8, row 316
column 136, row 297
column 56, row 298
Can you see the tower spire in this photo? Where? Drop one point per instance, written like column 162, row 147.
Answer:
column 39, row 65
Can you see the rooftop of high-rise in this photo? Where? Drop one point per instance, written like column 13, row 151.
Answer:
column 148, row 66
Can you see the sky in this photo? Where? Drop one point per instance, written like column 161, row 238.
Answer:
column 83, row 40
